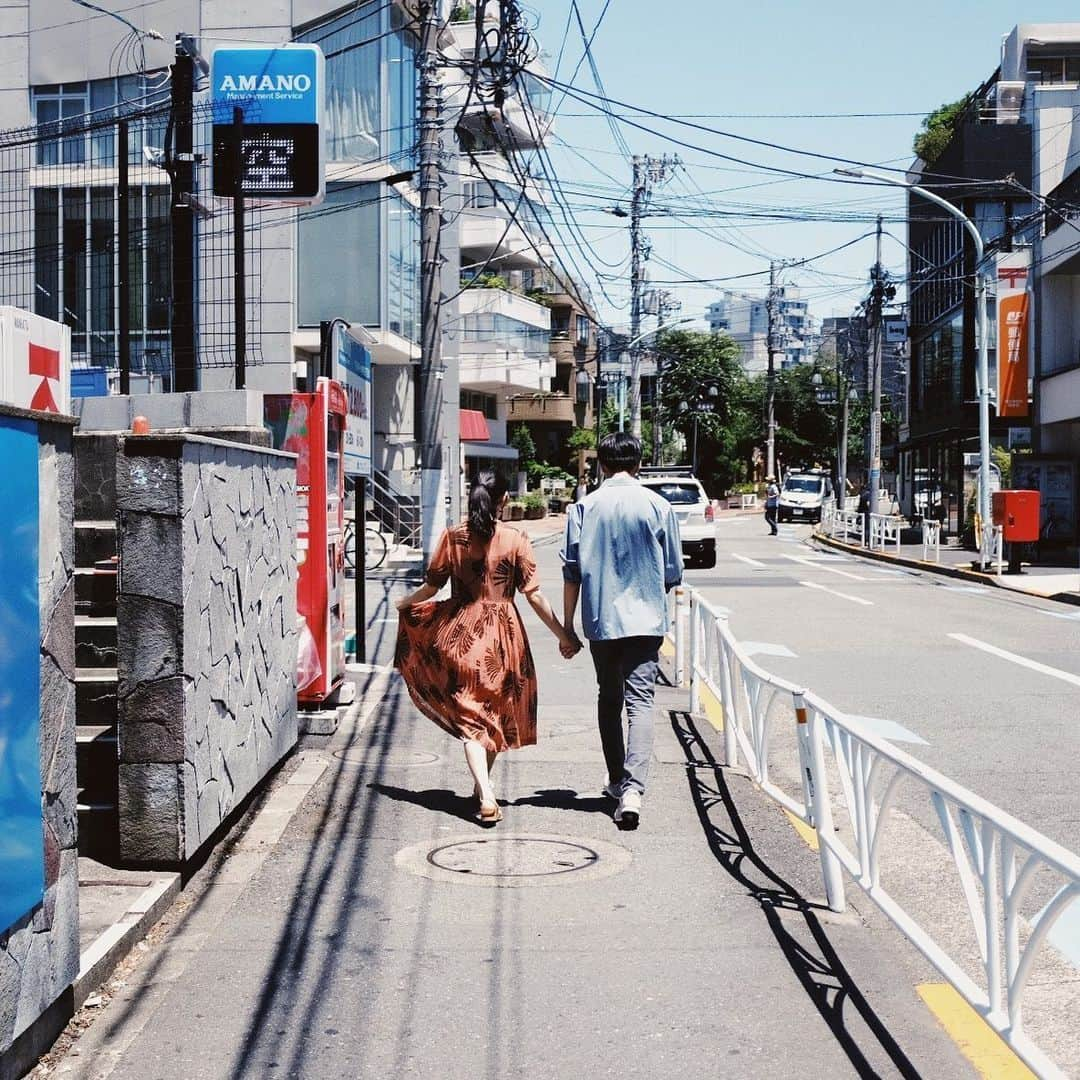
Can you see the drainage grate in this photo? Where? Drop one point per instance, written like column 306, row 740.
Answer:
column 515, row 860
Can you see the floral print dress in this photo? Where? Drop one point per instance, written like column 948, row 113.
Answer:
column 466, row 660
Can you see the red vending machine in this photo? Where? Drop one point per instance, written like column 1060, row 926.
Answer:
column 312, row 426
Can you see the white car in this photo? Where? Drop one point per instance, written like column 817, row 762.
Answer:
column 803, row 495
column 693, row 508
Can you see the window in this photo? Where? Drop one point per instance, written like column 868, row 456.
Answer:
column 582, row 329
column 1049, row 70
column 489, row 331
column 370, row 83
column 73, row 109
column 339, row 256
column 560, row 323
column 403, row 274
column 75, row 264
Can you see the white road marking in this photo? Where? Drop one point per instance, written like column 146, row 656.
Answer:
column 889, row 729
column 1073, row 616
column 963, row 588
column 765, row 648
column 844, row 595
column 749, row 562
column 1016, row 658
column 889, row 572
column 827, row 569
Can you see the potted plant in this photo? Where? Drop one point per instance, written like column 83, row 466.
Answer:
column 516, row 509
column 534, row 505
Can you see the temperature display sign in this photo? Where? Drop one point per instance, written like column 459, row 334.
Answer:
column 279, row 91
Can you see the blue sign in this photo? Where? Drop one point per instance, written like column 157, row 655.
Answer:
column 22, row 845
column 353, row 369
column 279, row 92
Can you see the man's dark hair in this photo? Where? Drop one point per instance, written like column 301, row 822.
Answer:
column 619, row 452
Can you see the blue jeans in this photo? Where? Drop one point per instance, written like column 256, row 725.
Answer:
column 626, row 675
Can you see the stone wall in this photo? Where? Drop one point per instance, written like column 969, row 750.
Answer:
column 39, row 954
column 206, row 634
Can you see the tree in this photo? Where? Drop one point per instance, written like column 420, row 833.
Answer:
column 938, row 128
column 693, row 362
column 522, row 441
column 582, row 439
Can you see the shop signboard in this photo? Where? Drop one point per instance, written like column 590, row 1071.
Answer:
column 352, row 368
column 22, row 847
column 35, row 362
column 1013, row 315
column 280, row 90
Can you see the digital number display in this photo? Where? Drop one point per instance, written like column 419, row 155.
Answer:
column 279, row 161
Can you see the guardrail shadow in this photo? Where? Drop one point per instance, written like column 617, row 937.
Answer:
column 814, row 961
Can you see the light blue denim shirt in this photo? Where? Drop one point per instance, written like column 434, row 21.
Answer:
column 622, row 546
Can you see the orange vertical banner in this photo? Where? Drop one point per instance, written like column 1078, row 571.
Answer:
column 1013, row 316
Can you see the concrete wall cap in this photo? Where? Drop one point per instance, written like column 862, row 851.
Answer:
column 169, row 443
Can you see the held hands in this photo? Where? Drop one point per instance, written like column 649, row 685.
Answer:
column 569, row 643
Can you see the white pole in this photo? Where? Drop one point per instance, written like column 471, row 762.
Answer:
column 983, row 371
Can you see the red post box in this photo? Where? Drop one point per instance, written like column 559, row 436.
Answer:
column 312, row 426
column 1017, row 512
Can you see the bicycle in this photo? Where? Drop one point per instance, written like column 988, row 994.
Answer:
column 375, row 547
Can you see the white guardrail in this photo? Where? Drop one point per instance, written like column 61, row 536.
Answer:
column 993, row 547
column 931, row 540
column 846, row 792
column 884, row 529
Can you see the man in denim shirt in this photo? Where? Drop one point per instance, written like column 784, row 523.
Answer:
column 621, row 555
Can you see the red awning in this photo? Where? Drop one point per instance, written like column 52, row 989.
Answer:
column 474, row 426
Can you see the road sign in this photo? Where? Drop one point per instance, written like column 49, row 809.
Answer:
column 352, row 368
column 280, row 90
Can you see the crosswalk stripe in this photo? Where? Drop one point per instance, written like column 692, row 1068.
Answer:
column 834, row 592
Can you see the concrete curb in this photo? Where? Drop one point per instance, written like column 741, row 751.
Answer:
column 944, row 571
column 101, row 957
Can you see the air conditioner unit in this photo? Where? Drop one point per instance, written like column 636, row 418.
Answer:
column 1009, row 98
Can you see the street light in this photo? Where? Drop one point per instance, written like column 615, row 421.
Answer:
column 706, row 405
column 980, row 319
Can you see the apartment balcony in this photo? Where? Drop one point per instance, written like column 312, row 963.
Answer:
column 484, row 235
column 546, row 408
column 504, row 343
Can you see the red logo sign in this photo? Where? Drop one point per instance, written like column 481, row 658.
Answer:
column 44, row 364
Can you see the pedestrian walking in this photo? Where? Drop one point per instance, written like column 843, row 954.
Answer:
column 772, row 504
column 466, row 660
column 864, row 509
column 621, row 554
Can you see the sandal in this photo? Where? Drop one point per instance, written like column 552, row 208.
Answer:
column 490, row 814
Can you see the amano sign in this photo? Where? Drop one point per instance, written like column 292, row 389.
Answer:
column 280, row 90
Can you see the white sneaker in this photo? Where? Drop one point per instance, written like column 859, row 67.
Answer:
column 628, row 812
column 611, row 789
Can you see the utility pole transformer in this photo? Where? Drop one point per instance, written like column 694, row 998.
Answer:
column 771, row 305
column 428, row 420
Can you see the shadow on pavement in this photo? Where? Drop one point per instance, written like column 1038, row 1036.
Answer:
column 566, row 799
column 438, row 800
column 814, row 961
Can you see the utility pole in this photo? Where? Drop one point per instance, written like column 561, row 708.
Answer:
column 428, row 420
column 770, row 378
column 666, row 303
column 647, row 172
column 877, row 295
column 182, row 219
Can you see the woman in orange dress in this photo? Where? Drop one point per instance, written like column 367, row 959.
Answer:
column 466, row 660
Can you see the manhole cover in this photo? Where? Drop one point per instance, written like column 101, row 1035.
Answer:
column 513, row 860
column 391, row 758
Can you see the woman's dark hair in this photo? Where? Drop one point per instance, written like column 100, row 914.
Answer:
column 619, row 452
column 487, row 491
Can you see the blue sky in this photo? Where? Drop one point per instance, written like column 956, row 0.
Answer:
column 763, row 58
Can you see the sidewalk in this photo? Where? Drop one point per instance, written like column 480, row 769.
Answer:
column 384, row 934
column 1048, row 582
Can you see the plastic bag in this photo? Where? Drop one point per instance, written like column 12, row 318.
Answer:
column 308, row 666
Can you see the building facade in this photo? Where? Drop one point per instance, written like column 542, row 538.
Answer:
column 745, row 319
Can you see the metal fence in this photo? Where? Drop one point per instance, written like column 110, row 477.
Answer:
column 1008, row 883
column 86, row 236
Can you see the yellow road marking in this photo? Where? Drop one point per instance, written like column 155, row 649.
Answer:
column 978, row 1042
column 808, row 835
column 710, row 705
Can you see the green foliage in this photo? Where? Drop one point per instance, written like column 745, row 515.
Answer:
column 487, row 280
column 582, row 439
column 535, row 500
column 522, row 441
column 1003, row 460
column 462, row 13
column 538, row 471
column 937, row 130
column 539, row 296
column 745, row 489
